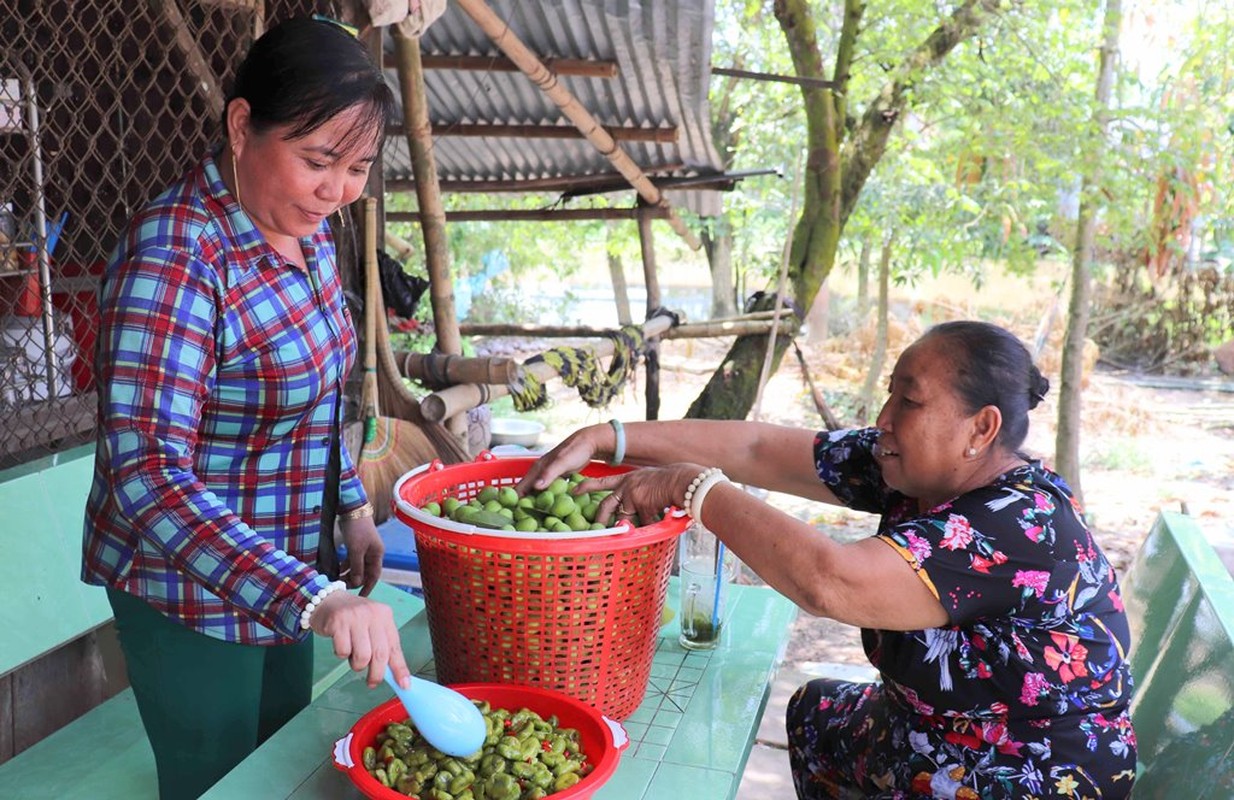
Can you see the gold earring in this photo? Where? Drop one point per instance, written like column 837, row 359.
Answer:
column 235, row 179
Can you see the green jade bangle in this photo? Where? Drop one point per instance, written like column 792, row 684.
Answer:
column 619, row 449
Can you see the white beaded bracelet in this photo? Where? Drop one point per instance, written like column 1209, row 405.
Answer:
column 698, row 489
column 306, row 616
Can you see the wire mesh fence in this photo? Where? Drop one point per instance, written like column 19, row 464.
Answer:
column 102, row 104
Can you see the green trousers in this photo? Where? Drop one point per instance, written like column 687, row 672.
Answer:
column 206, row 704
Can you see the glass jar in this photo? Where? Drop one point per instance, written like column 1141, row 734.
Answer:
column 706, row 569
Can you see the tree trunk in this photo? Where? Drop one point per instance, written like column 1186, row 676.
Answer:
column 879, row 357
column 1067, row 438
column 818, row 320
column 836, row 170
column 863, row 278
column 617, row 272
column 718, row 245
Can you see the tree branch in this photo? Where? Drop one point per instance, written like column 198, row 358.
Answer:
column 869, row 140
column 853, row 11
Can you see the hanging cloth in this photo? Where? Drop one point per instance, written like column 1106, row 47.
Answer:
column 412, row 16
column 579, row 368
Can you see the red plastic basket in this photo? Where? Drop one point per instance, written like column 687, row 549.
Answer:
column 601, row 739
column 577, row 613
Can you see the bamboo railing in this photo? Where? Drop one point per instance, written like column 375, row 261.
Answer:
column 457, row 399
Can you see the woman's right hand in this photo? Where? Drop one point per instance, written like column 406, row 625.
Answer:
column 364, row 633
column 575, row 452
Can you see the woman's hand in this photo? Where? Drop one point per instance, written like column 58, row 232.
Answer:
column 365, row 550
column 645, row 492
column 364, row 634
column 575, row 452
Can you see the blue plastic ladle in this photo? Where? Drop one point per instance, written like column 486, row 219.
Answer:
column 448, row 720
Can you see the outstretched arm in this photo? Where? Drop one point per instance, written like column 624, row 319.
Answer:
column 773, row 457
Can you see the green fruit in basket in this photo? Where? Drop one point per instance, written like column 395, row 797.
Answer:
column 564, row 506
column 561, row 527
column 432, row 507
column 494, row 506
column 577, row 522
column 577, row 477
column 450, row 504
column 588, row 510
column 482, row 518
column 559, row 485
column 545, row 500
column 550, row 522
column 596, row 526
column 508, row 497
column 488, row 493
column 527, row 524
column 527, row 502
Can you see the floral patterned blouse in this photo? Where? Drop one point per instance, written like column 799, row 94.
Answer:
column 1025, row 693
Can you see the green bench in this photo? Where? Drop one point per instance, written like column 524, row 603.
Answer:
column 1180, row 600
column 54, row 630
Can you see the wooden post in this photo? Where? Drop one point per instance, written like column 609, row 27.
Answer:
column 428, row 194
column 652, row 281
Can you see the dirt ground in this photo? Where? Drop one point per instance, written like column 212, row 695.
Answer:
column 1144, row 449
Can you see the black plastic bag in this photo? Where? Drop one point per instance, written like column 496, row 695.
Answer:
column 402, row 291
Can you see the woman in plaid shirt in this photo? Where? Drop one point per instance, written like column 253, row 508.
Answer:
column 224, row 345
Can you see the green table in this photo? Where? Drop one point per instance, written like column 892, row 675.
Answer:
column 690, row 737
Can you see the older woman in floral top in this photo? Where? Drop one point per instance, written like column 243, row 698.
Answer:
column 989, row 610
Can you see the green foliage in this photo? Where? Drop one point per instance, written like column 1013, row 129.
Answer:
column 528, row 245
column 975, row 171
column 756, row 125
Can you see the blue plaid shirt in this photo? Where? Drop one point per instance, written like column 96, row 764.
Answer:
column 219, row 365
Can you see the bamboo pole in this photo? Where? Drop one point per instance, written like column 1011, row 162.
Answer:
column 438, row 371
column 402, row 248
column 452, row 402
column 687, row 330
column 428, row 194
column 499, row 31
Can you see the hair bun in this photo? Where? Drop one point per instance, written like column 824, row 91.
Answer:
column 1038, row 386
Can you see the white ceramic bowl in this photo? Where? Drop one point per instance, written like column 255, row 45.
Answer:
column 525, row 432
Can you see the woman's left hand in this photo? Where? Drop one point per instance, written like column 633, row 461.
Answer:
column 644, row 492
column 365, row 551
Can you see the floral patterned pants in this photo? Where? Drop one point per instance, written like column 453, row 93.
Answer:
column 847, row 741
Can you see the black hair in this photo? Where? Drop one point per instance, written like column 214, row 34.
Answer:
column 994, row 368
column 303, row 72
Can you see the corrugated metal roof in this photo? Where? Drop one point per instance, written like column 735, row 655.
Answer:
column 663, row 52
